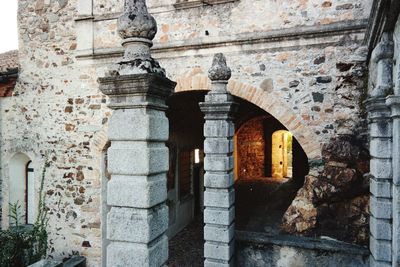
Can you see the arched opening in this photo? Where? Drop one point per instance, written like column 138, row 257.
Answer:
column 261, row 199
column 270, row 168
column 22, row 186
column 282, row 154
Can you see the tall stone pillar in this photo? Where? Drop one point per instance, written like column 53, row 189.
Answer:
column 381, row 157
column 394, row 103
column 137, row 158
column 219, row 197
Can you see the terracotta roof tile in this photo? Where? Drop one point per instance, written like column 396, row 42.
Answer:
column 8, row 60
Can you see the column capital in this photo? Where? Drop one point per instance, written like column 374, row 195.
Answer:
column 375, row 104
column 146, row 90
column 219, row 111
column 393, row 102
column 377, row 109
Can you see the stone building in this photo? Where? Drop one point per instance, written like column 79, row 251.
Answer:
column 285, row 146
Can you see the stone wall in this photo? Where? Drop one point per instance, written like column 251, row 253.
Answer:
column 309, row 76
column 58, row 111
column 251, row 149
column 263, row 250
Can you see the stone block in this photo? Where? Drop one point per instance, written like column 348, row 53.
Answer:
column 220, row 216
column 381, row 148
column 378, row 130
column 136, row 191
column 47, row 263
column 216, row 180
column 138, row 125
column 136, row 225
column 381, row 250
column 380, row 228
column 215, row 233
column 219, row 251
column 381, row 188
column 218, row 163
column 85, row 7
column 223, row 198
column 218, row 146
column 121, row 254
column 374, row 263
column 212, row 263
column 84, row 29
column 381, row 168
column 218, row 128
column 137, row 158
column 381, row 208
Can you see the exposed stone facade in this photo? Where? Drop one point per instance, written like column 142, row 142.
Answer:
column 8, row 72
column 306, row 65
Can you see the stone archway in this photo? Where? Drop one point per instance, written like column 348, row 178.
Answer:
column 196, row 79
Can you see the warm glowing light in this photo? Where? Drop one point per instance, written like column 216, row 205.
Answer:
column 282, row 154
column 197, row 156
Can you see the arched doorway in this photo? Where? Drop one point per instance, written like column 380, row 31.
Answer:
column 253, row 156
column 270, row 167
column 22, row 187
column 282, row 154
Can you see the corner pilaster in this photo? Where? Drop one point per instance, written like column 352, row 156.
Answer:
column 394, row 103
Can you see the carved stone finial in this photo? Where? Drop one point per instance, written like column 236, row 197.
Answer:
column 136, row 22
column 219, row 70
column 137, row 28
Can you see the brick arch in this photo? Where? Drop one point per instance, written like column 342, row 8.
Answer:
column 268, row 101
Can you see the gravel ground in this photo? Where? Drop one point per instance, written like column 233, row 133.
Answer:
column 186, row 248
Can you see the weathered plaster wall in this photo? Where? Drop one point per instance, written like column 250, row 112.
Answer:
column 313, row 85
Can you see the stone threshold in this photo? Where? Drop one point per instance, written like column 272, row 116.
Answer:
column 273, row 36
column 301, row 242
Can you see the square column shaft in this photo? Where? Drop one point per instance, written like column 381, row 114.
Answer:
column 380, row 127
column 219, row 197
column 138, row 162
column 394, row 103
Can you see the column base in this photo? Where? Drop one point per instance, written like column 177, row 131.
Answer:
column 211, row 263
column 122, row 254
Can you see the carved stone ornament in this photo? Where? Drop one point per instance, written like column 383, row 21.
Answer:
column 137, row 28
column 219, row 71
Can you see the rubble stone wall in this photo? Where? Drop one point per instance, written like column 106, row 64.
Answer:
column 311, row 82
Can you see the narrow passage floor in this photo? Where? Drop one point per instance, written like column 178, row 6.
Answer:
column 186, row 248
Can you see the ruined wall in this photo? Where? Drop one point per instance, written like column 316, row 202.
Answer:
column 58, row 111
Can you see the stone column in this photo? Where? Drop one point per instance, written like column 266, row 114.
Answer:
column 381, row 156
column 219, row 197
column 137, row 157
column 394, row 103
